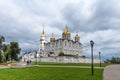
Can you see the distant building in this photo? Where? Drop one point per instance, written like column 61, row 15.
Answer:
column 62, row 45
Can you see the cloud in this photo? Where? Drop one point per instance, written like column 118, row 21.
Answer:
column 92, row 15
column 105, row 41
column 96, row 20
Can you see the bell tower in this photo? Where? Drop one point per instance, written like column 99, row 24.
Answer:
column 42, row 40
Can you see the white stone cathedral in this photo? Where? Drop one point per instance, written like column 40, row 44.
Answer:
column 50, row 51
column 64, row 45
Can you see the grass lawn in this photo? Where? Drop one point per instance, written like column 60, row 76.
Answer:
column 42, row 73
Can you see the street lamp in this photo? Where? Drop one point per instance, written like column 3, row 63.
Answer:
column 36, row 56
column 92, row 67
column 28, row 62
column 100, row 58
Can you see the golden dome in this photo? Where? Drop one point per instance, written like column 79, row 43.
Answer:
column 77, row 36
column 66, row 31
column 52, row 37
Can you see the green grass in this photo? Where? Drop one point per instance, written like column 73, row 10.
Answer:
column 71, row 64
column 42, row 73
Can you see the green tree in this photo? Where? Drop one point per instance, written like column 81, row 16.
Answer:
column 14, row 50
column 61, row 54
column 115, row 60
column 0, row 56
column 2, row 39
column 6, row 50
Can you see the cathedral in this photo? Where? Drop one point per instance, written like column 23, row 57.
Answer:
column 61, row 50
column 64, row 45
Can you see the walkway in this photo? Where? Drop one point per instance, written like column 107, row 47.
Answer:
column 22, row 65
column 68, row 66
column 112, row 72
column 17, row 65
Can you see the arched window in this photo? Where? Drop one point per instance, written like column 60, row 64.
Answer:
column 56, row 44
column 65, row 43
column 69, row 44
column 52, row 44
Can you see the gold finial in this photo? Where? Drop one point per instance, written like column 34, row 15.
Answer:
column 66, row 27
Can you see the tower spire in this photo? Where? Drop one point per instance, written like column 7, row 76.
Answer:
column 43, row 33
column 43, row 29
column 66, row 27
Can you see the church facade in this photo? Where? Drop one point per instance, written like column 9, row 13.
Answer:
column 71, row 50
column 64, row 45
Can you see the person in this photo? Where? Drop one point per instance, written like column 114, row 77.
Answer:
column 27, row 62
column 30, row 61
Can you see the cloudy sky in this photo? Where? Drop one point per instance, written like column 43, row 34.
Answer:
column 97, row 20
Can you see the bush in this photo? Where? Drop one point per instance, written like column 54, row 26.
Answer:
column 61, row 54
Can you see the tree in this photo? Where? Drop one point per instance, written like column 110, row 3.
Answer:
column 6, row 50
column 114, row 60
column 0, row 57
column 14, row 50
column 61, row 54
column 2, row 39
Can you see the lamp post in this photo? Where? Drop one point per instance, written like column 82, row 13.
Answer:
column 92, row 66
column 28, row 62
column 100, row 58
column 36, row 56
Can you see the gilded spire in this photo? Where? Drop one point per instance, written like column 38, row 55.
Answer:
column 43, row 34
column 66, row 27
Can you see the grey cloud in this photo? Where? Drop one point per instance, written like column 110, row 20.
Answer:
column 100, row 23
column 14, row 31
column 102, row 18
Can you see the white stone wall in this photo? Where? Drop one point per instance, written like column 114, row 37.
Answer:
column 66, row 46
column 64, row 59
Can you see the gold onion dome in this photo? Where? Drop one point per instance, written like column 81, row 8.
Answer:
column 52, row 37
column 66, row 31
column 77, row 36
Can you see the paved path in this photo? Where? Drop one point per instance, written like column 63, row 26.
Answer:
column 22, row 65
column 68, row 66
column 18, row 65
column 112, row 72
